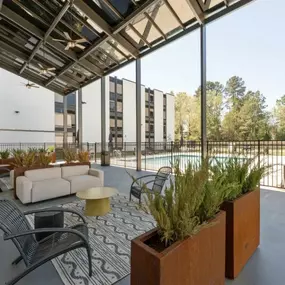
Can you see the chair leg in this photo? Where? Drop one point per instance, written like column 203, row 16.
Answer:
column 17, row 260
column 89, row 260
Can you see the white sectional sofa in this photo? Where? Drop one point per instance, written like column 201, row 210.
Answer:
column 42, row 184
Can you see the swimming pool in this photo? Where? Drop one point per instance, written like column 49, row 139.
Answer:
column 157, row 161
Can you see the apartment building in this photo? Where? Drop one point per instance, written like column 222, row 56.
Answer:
column 36, row 115
column 157, row 114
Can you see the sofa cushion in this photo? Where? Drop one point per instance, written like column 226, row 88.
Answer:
column 43, row 174
column 83, row 182
column 48, row 189
column 67, row 171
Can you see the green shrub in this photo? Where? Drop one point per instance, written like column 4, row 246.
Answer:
column 244, row 173
column 4, row 154
column 24, row 159
column 192, row 200
column 69, row 155
column 44, row 158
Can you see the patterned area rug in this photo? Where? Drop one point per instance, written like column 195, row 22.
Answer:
column 110, row 238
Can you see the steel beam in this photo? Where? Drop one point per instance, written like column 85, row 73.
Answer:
column 103, row 25
column 197, row 10
column 80, row 119
column 65, row 121
column 48, row 32
column 139, row 35
column 103, row 113
column 138, row 115
column 155, row 25
column 203, row 66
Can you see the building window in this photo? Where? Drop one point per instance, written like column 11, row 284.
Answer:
column 151, row 98
column 71, row 99
column 119, row 88
column 119, row 123
column 151, row 128
column 112, row 86
column 151, row 113
column 112, row 96
column 146, row 112
column 119, row 107
column 112, row 106
column 58, row 98
column 146, row 96
column 112, row 123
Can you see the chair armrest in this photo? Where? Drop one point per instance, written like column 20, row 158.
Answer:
column 98, row 173
column 24, row 189
column 56, row 209
column 46, row 230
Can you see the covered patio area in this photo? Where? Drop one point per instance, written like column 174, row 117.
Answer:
column 265, row 266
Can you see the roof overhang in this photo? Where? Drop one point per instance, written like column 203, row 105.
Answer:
column 111, row 34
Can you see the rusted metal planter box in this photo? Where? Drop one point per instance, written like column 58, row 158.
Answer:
column 242, row 231
column 199, row 259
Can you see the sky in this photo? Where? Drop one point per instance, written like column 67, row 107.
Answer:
column 250, row 43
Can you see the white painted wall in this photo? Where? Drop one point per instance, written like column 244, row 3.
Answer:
column 170, row 117
column 36, row 111
column 91, row 112
column 107, row 96
column 158, row 116
column 129, row 111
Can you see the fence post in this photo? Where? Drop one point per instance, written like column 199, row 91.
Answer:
column 171, row 146
column 88, row 146
column 44, row 146
column 95, row 152
column 20, row 145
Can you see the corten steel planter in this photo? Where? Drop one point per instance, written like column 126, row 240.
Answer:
column 242, row 231
column 53, row 157
column 20, row 171
column 75, row 164
column 197, row 260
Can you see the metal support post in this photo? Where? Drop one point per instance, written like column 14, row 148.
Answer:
column 138, row 113
column 203, row 92
column 65, row 121
column 103, row 114
column 80, row 119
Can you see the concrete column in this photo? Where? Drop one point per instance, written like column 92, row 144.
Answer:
column 203, row 92
column 138, row 114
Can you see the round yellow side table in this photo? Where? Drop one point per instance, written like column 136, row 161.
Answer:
column 97, row 200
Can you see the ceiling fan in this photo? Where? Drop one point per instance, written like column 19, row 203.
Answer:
column 30, row 85
column 45, row 70
column 72, row 43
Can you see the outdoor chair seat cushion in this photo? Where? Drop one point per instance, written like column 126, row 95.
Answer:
column 48, row 189
column 83, row 182
column 56, row 242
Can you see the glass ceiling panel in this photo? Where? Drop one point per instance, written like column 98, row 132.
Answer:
column 215, row 2
column 182, row 9
column 110, row 50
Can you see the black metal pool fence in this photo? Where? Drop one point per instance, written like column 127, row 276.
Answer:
column 158, row 154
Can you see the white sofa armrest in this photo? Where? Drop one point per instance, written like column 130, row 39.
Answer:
column 24, row 189
column 98, row 173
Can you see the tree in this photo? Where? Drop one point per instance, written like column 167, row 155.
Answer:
column 279, row 118
column 234, row 92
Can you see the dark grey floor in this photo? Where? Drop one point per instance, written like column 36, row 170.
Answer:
column 266, row 267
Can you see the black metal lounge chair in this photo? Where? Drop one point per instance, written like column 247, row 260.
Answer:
column 158, row 182
column 35, row 253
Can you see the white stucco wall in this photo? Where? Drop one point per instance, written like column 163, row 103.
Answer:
column 91, row 112
column 35, row 121
column 170, row 117
column 129, row 111
column 158, row 116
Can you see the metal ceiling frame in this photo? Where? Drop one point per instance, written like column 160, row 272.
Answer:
column 86, row 67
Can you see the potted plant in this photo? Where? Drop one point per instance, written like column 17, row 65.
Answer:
column 188, row 245
column 51, row 150
column 83, row 156
column 242, row 206
column 71, row 158
column 105, row 158
column 44, row 158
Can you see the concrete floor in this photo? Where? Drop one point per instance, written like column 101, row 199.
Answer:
column 266, row 267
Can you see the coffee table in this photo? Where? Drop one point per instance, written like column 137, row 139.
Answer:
column 97, row 200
